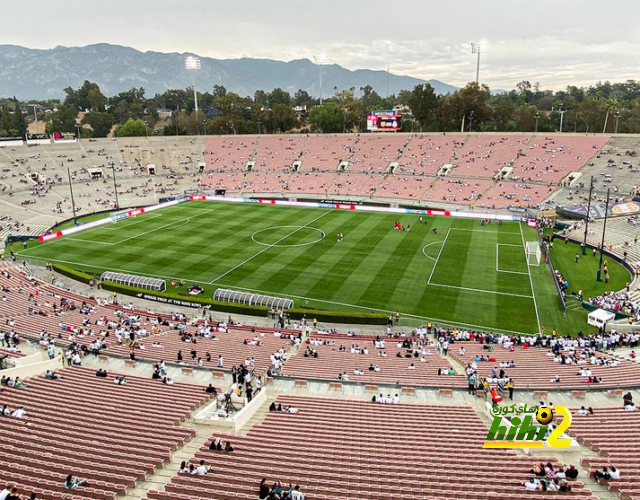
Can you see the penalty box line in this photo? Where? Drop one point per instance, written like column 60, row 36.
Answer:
column 268, row 247
column 497, row 259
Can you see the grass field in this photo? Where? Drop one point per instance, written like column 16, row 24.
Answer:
column 465, row 274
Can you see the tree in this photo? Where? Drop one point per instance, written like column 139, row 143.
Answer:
column 283, row 118
column 63, row 120
column 18, row 122
column 423, row 103
column 5, row 122
column 134, row 127
column 326, row 118
column 100, row 123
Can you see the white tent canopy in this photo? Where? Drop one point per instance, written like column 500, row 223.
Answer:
column 600, row 317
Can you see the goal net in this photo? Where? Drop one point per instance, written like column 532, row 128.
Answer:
column 533, row 253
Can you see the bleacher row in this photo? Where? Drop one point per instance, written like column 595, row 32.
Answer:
column 352, row 450
column 534, row 369
column 613, row 433
column 112, row 435
column 312, row 166
column 476, row 176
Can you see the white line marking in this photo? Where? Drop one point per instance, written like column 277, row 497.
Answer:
column 438, row 257
column 428, row 245
column 498, row 252
column 482, row 291
column 161, row 227
column 482, row 231
column 535, row 303
column 120, row 226
column 92, row 242
column 270, row 246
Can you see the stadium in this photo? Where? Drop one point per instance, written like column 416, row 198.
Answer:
column 288, row 297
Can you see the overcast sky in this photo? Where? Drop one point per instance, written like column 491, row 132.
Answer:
column 554, row 42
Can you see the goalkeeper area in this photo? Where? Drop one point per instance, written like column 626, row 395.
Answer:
column 448, row 270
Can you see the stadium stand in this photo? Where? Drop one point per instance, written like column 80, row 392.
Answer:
column 611, row 431
column 361, row 355
column 112, row 435
column 355, row 449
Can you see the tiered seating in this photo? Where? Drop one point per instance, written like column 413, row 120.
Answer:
column 229, row 153
column 506, row 194
column 408, row 187
column 457, row 191
column 393, row 370
column 231, row 181
column 266, row 182
column 426, row 154
column 485, row 155
column 229, row 345
column 311, row 182
column 613, row 433
column 355, row 184
column 535, row 369
column 324, row 153
column 336, row 449
column 278, row 151
column 112, row 435
column 373, row 153
column 551, row 159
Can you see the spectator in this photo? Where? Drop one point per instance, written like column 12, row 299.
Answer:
column 5, row 492
column 263, row 491
column 13, row 494
column 202, row 469
column 296, row 494
column 211, row 390
column 571, row 472
column 72, row 483
column 582, row 412
column 101, row 373
column 602, row 474
column 184, row 468
column 19, row 412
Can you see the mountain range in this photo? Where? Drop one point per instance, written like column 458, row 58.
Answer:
column 41, row 74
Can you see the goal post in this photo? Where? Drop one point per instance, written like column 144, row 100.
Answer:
column 533, row 253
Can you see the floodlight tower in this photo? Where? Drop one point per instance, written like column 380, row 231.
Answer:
column 476, row 48
column 320, row 60
column 192, row 63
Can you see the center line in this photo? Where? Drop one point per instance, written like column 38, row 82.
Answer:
column 268, row 247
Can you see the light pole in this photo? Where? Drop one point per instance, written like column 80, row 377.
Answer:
column 146, row 129
column 193, row 64
column 617, row 117
column 476, row 48
column 562, row 112
column 471, row 121
column 586, row 220
column 537, row 118
column 78, row 130
column 35, row 117
column 115, row 186
column 604, row 230
column 320, row 60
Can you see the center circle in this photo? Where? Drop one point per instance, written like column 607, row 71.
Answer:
column 293, row 231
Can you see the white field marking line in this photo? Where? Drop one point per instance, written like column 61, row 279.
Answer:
column 498, row 252
column 483, row 231
column 120, row 226
column 266, row 292
column 269, row 246
column 435, row 264
column 533, row 292
column 428, row 245
column 482, row 291
column 92, row 242
column 185, row 220
column 446, row 321
column 322, row 237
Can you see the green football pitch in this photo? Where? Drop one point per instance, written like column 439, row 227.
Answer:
column 463, row 273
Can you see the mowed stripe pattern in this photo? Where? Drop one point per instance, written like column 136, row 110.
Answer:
column 375, row 267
